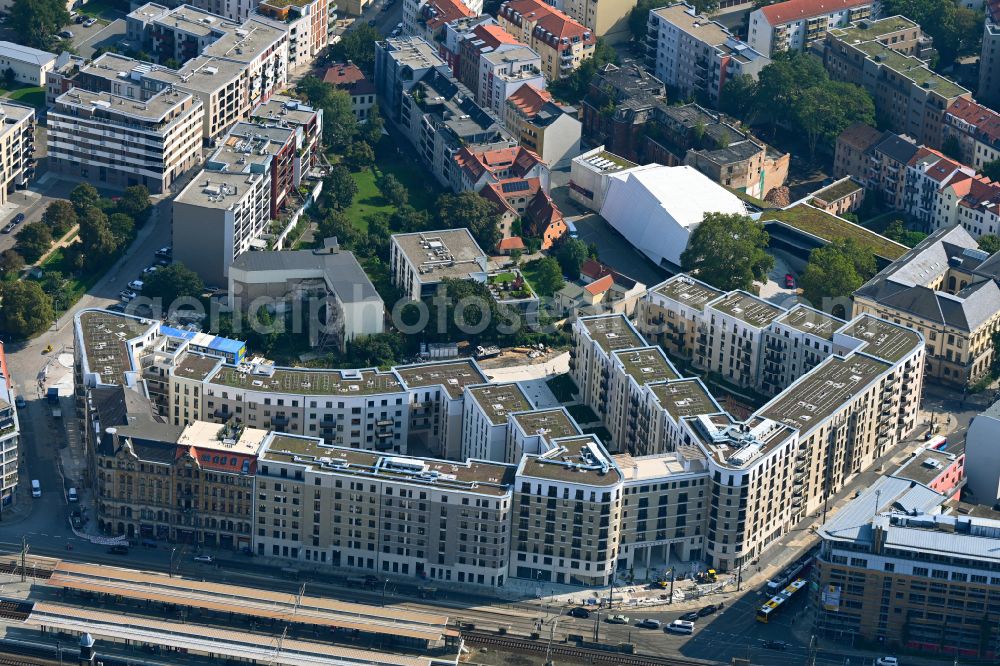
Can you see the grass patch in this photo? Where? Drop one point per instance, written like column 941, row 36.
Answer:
column 31, row 96
column 75, row 286
column 582, row 413
column 368, row 200
column 530, row 273
column 831, row 228
column 105, row 9
column 563, row 387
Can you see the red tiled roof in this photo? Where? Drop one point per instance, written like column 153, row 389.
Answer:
column 594, row 269
column 529, row 100
column 493, row 35
column 558, row 24
column 793, row 10
column 519, row 160
column 512, row 243
column 985, row 120
column 541, row 212
column 439, row 12
column 600, row 286
column 343, row 74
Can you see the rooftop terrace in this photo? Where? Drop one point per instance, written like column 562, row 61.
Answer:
column 821, row 392
column 453, row 375
column 687, row 397
column 579, row 459
column 196, row 366
column 307, row 382
column 498, row 401
column 912, row 68
column 748, row 308
column 471, row 476
column 689, row 291
column 863, row 31
column 811, row 321
column 550, row 423
column 612, row 332
column 885, row 340
column 104, row 337
column 646, row 365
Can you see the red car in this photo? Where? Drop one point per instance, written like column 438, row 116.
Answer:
column 789, row 281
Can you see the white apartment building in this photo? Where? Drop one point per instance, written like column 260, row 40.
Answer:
column 119, row 141
column 30, row 66
column 694, row 55
column 420, row 261
column 533, row 431
column 486, row 414
column 794, row 25
column 502, row 71
column 226, row 212
column 309, row 24
column 17, row 147
column 10, row 432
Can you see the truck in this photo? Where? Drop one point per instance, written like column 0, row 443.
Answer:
column 52, row 395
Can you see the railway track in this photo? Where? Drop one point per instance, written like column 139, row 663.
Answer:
column 31, row 571
column 578, row 655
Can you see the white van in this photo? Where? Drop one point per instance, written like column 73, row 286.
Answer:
column 681, row 627
column 36, row 488
column 72, row 496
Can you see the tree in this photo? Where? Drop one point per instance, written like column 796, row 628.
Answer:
column 392, row 189
column 98, row 243
column 340, row 186
column 336, row 223
column 638, row 18
column 782, row 82
column 11, row 261
column 727, row 251
column 899, row 233
column 956, row 30
column 548, row 276
column 9, row 77
column 739, row 97
column 135, row 203
column 376, row 351
column 471, row 211
column 33, row 241
column 122, row 227
column 574, row 87
column 26, row 309
column 60, row 217
column 371, row 130
column 989, row 243
column 339, row 123
column 173, row 282
column 358, row 46
column 570, row 254
column 36, row 21
column 84, row 196
column 359, row 155
column 829, row 274
column 823, row 111
column 952, row 147
column 992, row 170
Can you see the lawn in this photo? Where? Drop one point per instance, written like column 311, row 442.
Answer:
column 831, row 228
column 368, row 200
column 76, row 285
column 31, row 96
column 530, row 273
column 106, row 9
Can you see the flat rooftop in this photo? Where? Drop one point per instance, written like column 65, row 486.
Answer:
column 436, row 255
column 811, row 321
column 659, row 467
column 911, row 68
column 196, row 366
column 217, row 189
column 549, row 424
column 152, row 112
column 283, row 109
column 605, row 162
column 307, row 382
column 612, row 332
column 685, row 397
column 471, row 476
column 738, row 444
column 689, row 291
column 863, row 31
column 885, row 340
column 690, row 22
column 825, row 226
column 646, row 365
column 822, row 391
column 579, row 459
column 104, row 337
column 414, row 52
column 218, row 437
column 748, row 308
column 453, row 375
column 498, row 401
column 926, row 466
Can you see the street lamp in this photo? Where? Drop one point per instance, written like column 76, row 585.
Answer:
column 170, row 570
column 384, row 585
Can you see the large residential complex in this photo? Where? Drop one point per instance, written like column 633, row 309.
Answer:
column 562, row 42
column 17, row 148
column 908, row 95
column 795, row 25
column 9, row 435
column 945, row 288
column 977, row 129
column 695, row 56
column 309, row 24
column 895, row 568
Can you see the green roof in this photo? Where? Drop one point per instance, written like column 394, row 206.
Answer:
column 838, row 190
column 873, row 29
column 831, row 228
column 911, row 68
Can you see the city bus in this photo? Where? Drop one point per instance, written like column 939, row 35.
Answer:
column 774, row 604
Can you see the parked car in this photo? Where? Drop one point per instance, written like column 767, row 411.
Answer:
column 118, row 550
column 71, row 495
column 776, row 645
column 690, row 617
column 887, row 661
column 36, row 488
column 65, row 34
column 789, row 281
column 126, row 295
column 89, row 22
column 149, row 270
column 680, row 627
column 707, row 610
column 649, row 624
column 18, row 219
column 165, row 252
column 207, row 559
column 135, row 285
column 579, row 612
column 9, row 228
column 617, row 619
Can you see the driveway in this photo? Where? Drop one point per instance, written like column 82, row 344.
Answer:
column 87, row 40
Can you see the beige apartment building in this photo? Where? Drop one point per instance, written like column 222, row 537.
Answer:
column 562, row 42
column 17, row 147
column 120, row 141
column 945, row 288
column 607, row 19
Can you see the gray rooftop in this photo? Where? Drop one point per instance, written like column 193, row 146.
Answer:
column 340, row 270
column 217, row 189
column 685, row 397
column 104, row 337
column 448, row 253
column 499, row 401
column 688, row 291
column 853, row 521
column 646, row 365
column 453, row 375
column 549, row 423
column 885, row 340
column 302, row 381
column 814, row 322
column 580, row 459
column 12, row 51
column 926, row 466
column 612, row 332
column 748, row 308
column 156, row 113
column 283, row 109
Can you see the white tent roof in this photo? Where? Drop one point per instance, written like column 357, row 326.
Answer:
column 657, row 207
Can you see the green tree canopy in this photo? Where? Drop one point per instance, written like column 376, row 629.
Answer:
column 989, row 243
column 36, row 21
column 11, row 261
column 548, row 277
column 823, row 111
column 376, row 351
column 992, row 170
column 98, row 243
column 339, row 123
column 739, row 97
column 782, row 82
column 359, row 155
column 371, row 130
column 830, row 273
column 727, row 251
column 393, row 190
column 570, row 254
column 84, row 196
column 340, row 186
column 122, row 227
column 135, row 203
column 956, row 30
column 60, row 217
column 358, row 46
column 336, row 223
column 574, row 87
column 471, row 211
column 24, row 308
column 173, row 282
column 33, row 241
